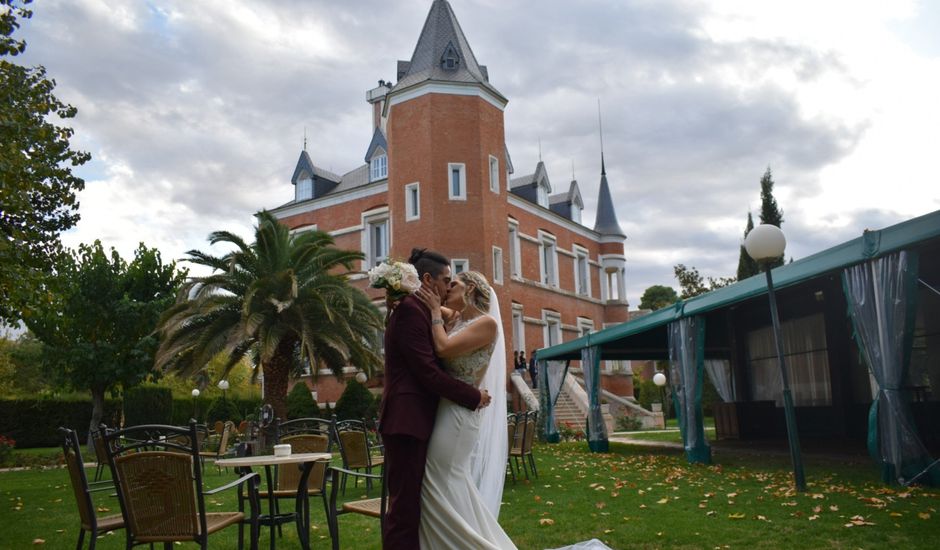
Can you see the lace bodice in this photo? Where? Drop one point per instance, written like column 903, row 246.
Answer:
column 469, row 368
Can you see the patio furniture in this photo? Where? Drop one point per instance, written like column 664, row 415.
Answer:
column 101, row 455
column 158, row 473
column 90, row 522
column 524, row 450
column 515, row 439
column 304, row 435
column 305, row 463
column 356, row 450
column 227, row 433
column 374, row 507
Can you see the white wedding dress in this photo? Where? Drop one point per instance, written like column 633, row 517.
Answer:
column 453, row 513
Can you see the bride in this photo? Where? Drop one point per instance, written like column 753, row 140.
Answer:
column 466, row 461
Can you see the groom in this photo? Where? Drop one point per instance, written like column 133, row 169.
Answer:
column 414, row 381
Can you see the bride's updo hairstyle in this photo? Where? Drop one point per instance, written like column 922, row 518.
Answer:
column 479, row 297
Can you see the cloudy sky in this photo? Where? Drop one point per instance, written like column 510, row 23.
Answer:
column 194, row 112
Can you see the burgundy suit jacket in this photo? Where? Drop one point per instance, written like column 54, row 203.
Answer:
column 414, row 379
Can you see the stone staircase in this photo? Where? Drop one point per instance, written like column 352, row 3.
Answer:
column 565, row 410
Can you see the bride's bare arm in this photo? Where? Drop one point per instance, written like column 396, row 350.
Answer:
column 480, row 333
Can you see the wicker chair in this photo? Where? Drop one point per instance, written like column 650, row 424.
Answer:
column 304, row 435
column 160, row 487
column 373, row 507
column 228, row 430
column 90, row 522
column 101, row 455
column 515, row 440
column 524, row 450
column 356, row 450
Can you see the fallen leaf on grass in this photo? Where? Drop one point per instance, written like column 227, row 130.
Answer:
column 663, row 500
column 923, row 515
column 546, row 521
column 600, row 505
column 833, row 508
column 38, row 541
column 857, row 521
column 738, row 515
column 813, row 517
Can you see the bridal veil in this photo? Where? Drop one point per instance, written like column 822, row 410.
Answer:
column 488, row 466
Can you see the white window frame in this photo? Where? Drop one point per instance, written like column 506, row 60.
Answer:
column 412, row 202
column 462, row 168
column 541, row 196
column 518, row 328
column 548, row 250
column 497, row 265
column 463, row 263
column 494, row 174
column 581, row 288
column 303, row 229
column 369, row 221
column 378, row 166
column 305, row 184
column 585, row 326
column 551, row 333
column 515, row 253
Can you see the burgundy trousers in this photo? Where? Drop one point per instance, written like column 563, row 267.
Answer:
column 405, row 458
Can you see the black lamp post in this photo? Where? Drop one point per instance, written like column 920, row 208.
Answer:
column 660, row 380
column 765, row 243
column 195, row 394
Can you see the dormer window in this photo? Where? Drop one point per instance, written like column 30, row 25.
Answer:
column 378, row 167
column 575, row 213
column 304, row 189
column 542, row 196
column 450, row 60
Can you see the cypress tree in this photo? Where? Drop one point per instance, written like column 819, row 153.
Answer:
column 747, row 266
column 770, row 213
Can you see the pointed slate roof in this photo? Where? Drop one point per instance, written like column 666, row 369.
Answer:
column 441, row 38
column 606, row 223
column 378, row 140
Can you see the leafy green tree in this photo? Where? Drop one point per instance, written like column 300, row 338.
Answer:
column 37, row 187
column 98, row 327
column 21, row 367
column 770, row 213
column 747, row 266
column 691, row 282
column 283, row 300
column 658, row 297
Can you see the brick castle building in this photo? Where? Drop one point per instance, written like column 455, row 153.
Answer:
column 437, row 174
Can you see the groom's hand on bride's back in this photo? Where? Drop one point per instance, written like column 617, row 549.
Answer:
column 485, row 399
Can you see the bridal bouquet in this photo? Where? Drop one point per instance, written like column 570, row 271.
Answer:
column 399, row 279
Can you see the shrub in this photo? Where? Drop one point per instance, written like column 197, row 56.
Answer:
column 627, row 423
column 300, row 403
column 356, row 403
column 223, row 409
column 6, row 450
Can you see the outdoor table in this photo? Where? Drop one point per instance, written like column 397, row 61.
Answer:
column 301, row 513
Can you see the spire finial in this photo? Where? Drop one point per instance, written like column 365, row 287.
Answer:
column 600, row 129
column 540, row 149
column 305, row 137
column 572, row 170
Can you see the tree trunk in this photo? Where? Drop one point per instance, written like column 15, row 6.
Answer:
column 276, row 374
column 97, row 412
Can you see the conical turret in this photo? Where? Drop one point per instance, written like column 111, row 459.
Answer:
column 606, row 223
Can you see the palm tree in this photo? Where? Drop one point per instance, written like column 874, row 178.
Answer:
column 283, row 300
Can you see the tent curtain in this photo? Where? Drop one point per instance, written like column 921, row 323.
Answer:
column 881, row 294
column 686, row 366
column 597, row 430
column 805, row 348
column 719, row 371
column 552, row 376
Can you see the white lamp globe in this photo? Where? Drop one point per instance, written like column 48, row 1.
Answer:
column 223, row 385
column 659, row 379
column 765, row 242
column 361, row 377
column 195, row 392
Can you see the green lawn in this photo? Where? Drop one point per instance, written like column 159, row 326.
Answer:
column 630, row 498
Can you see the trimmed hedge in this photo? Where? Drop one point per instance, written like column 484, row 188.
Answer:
column 183, row 408
column 148, row 405
column 300, row 403
column 356, row 403
column 34, row 422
